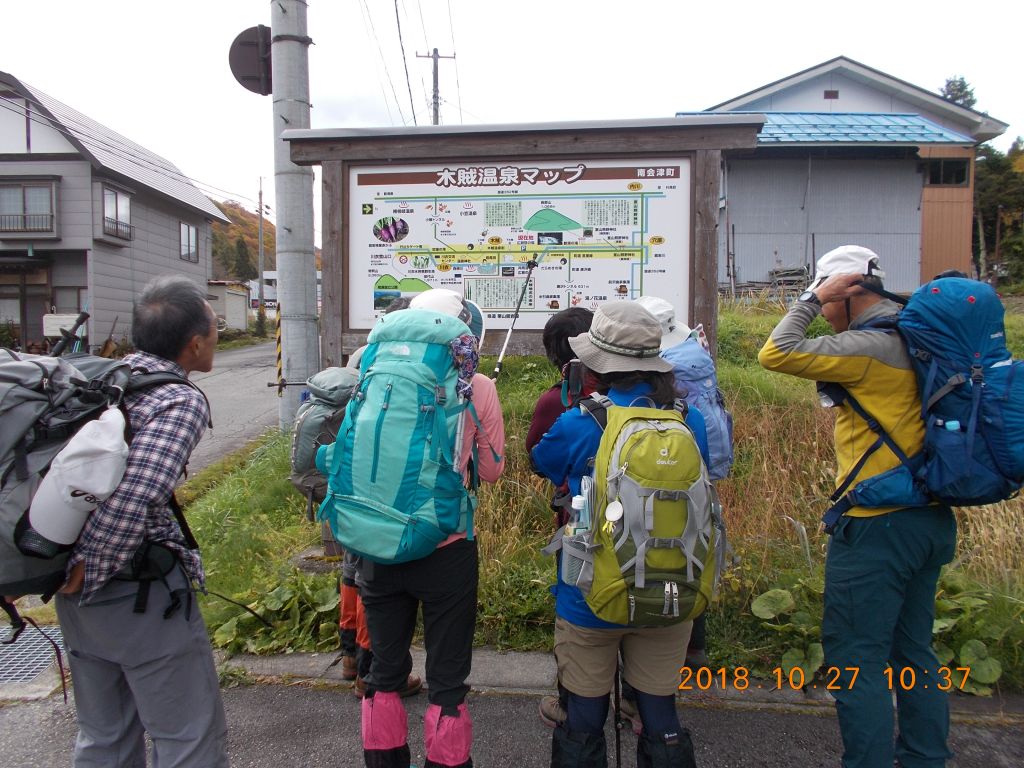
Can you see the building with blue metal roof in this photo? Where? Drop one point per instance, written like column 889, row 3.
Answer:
column 849, row 154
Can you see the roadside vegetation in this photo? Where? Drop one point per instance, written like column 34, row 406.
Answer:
column 768, row 613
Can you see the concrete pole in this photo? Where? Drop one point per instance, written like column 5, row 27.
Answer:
column 296, row 263
column 437, row 94
column 259, row 287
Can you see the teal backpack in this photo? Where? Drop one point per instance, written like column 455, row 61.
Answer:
column 394, row 490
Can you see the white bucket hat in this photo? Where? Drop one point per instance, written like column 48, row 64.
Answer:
column 846, row 260
column 672, row 333
column 623, row 337
column 81, row 477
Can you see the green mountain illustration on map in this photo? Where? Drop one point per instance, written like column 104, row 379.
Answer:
column 548, row 220
column 405, row 285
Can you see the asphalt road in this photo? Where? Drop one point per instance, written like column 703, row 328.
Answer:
column 243, row 405
column 279, row 726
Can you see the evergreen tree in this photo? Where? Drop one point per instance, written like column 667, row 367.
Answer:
column 959, row 91
column 999, row 210
column 244, row 269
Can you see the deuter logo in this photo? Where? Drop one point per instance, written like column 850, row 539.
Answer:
column 89, row 498
column 665, row 460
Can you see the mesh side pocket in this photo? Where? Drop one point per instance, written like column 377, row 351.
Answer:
column 578, row 561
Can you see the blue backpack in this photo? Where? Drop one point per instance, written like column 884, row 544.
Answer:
column 394, row 490
column 695, row 375
column 972, row 403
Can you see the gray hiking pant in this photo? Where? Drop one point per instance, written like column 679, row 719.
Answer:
column 137, row 673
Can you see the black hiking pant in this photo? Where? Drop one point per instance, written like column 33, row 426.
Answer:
column 445, row 584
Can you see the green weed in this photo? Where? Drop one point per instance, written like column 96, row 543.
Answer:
column 250, row 521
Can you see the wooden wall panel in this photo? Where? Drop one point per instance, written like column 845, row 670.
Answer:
column 947, row 215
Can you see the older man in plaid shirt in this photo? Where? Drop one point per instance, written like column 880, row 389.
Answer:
column 140, row 657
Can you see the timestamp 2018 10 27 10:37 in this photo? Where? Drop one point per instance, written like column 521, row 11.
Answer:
column 829, row 678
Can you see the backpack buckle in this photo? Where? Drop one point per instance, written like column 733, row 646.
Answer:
column 977, row 374
column 94, row 391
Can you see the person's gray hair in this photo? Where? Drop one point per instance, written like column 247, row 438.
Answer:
column 168, row 313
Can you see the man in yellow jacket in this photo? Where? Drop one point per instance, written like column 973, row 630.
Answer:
column 883, row 562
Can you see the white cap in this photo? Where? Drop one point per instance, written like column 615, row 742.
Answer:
column 846, row 260
column 82, row 476
column 450, row 303
column 672, row 333
column 439, row 300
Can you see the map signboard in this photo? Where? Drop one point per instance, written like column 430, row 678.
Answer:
column 597, row 230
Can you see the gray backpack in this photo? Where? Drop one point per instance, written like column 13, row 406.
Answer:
column 316, row 423
column 44, row 401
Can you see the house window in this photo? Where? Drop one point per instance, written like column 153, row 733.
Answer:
column 67, row 300
column 26, row 207
column 189, row 243
column 117, row 214
column 831, row 95
column 948, row 173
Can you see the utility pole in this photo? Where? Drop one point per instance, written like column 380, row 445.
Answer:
column 296, row 264
column 260, row 250
column 261, row 311
column 437, row 96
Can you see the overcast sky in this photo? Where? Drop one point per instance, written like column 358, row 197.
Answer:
column 157, row 72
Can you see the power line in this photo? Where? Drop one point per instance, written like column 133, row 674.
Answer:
column 423, row 24
column 367, row 18
column 458, row 91
column 405, row 63
column 85, row 135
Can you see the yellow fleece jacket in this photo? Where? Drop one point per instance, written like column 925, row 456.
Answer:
column 874, row 367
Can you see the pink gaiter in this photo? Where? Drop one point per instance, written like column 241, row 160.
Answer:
column 384, row 722
column 449, row 740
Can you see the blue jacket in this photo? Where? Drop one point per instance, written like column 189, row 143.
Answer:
column 563, row 454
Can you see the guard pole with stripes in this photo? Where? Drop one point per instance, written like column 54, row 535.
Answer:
column 280, row 369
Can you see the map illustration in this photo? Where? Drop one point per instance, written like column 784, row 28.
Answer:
column 598, row 230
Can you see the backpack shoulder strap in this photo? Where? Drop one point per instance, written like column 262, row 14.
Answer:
column 597, row 407
column 840, row 502
column 886, row 323
column 142, row 379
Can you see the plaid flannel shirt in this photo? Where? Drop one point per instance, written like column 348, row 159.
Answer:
column 167, row 422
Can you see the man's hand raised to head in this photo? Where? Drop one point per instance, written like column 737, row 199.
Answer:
column 839, row 287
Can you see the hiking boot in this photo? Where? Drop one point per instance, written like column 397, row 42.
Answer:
column 551, row 712
column 348, row 667
column 412, row 687
column 631, row 715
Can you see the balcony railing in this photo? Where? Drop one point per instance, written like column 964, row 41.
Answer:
column 118, row 229
column 26, row 222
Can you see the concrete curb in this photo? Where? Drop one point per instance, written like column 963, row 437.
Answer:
column 534, row 673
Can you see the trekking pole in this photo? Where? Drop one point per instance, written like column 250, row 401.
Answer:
column 522, row 295
column 618, row 715
column 66, row 336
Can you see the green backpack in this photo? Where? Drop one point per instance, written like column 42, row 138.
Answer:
column 655, row 545
column 316, row 424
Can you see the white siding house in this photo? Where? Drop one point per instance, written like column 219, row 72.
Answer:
column 87, row 217
column 849, row 154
